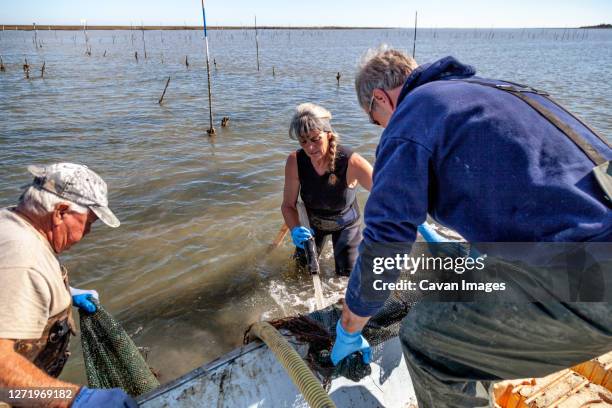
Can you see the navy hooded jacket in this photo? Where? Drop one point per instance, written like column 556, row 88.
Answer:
column 480, row 161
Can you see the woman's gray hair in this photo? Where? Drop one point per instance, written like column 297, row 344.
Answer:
column 40, row 202
column 382, row 68
column 308, row 117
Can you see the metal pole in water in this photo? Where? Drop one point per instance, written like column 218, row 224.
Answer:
column 211, row 130
column 415, row 27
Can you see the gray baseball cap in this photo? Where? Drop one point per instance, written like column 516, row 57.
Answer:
column 76, row 183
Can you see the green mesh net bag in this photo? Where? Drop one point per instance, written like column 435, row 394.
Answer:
column 111, row 357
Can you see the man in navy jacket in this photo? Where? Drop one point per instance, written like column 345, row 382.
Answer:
column 485, row 163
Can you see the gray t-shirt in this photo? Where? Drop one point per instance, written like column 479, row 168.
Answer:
column 31, row 284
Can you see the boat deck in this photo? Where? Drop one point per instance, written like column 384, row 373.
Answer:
column 587, row 385
column 252, row 377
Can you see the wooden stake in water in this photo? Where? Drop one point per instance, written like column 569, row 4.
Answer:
column 26, row 69
column 414, row 41
column 144, row 44
column 164, row 93
column 211, row 130
column 256, row 44
column 87, row 46
column 35, row 35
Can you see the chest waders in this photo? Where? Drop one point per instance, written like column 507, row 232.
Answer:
column 50, row 351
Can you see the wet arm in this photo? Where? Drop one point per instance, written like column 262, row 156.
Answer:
column 290, row 192
column 359, row 170
column 16, row 372
column 352, row 322
column 397, row 204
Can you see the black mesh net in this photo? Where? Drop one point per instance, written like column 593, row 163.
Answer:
column 317, row 329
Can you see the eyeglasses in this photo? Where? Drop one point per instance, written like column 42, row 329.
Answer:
column 372, row 120
column 389, row 101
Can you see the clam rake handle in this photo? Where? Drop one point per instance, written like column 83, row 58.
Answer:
column 309, row 246
column 282, row 233
column 311, row 256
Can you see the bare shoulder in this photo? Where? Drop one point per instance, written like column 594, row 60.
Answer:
column 291, row 160
column 291, row 166
column 358, row 160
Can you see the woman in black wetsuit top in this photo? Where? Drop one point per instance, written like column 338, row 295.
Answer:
column 325, row 174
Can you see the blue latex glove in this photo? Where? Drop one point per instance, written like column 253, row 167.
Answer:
column 430, row 234
column 300, row 234
column 442, row 246
column 98, row 398
column 349, row 343
column 84, row 302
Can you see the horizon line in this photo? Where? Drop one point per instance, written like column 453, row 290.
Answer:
column 74, row 27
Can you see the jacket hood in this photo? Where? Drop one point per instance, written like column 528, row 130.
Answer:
column 433, row 71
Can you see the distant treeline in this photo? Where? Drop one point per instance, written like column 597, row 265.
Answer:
column 599, row 26
column 31, row 27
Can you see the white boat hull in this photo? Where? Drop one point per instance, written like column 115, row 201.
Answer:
column 252, row 377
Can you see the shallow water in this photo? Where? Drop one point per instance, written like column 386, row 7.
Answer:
column 187, row 271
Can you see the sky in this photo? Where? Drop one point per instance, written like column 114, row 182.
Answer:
column 362, row 13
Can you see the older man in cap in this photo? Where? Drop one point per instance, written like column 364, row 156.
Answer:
column 54, row 212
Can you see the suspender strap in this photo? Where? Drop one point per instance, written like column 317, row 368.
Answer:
column 585, row 146
column 600, row 137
